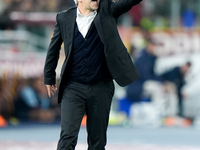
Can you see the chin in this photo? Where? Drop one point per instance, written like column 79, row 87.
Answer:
column 94, row 8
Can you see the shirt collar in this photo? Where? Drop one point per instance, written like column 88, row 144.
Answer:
column 79, row 15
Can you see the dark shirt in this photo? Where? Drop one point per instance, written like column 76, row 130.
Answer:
column 87, row 61
column 174, row 76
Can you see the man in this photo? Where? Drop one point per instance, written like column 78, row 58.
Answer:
column 145, row 63
column 177, row 76
column 95, row 55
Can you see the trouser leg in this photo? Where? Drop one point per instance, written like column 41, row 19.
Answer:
column 180, row 104
column 180, row 107
column 97, row 109
column 72, row 111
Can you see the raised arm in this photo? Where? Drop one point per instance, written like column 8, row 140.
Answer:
column 53, row 56
column 122, row 6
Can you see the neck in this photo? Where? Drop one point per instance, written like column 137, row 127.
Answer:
column 84, row 11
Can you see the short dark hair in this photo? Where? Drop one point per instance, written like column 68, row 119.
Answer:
column 188, row 63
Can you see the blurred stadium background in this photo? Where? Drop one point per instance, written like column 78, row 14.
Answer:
column 26, row 27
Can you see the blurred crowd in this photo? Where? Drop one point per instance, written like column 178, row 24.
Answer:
column 24, row 6
column 158, row 13
column 35, row 5
column 155, row 96
column 26, row 100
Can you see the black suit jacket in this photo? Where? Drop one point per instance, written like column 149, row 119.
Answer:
column 118, row 60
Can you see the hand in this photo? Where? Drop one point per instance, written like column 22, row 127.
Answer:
column 51, row 89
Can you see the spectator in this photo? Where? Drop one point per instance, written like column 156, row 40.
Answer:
column 176, row 76
column 145, row 63
column 33, row 102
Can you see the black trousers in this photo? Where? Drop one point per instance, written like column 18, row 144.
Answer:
column 92, row 100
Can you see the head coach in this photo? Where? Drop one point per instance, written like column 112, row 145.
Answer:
column 95, row 55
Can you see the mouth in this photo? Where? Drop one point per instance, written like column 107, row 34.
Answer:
column 94, row 1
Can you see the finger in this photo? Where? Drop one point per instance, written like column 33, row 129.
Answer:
column 52, row 94
column 48, row 87
column 49, row 92
column 54, row 87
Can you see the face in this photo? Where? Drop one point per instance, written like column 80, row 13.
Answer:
column 185, row 68
column 90, row 5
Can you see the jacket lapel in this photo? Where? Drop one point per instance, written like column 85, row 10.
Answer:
column 69, row 25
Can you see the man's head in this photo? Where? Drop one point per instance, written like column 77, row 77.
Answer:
column 185, row 68
column 90, row 5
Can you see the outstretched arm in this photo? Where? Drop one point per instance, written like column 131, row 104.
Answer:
column 122, row 6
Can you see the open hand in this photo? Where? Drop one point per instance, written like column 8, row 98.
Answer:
column 51, row 89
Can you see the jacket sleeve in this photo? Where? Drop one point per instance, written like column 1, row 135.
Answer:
column 53, row 56
column 122, row 6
